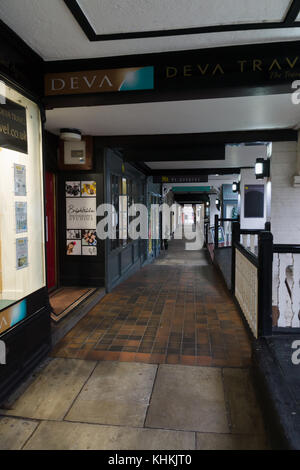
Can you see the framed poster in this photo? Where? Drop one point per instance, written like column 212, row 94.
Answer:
column 72, row 188
column 73, row 234
column 73, row 247
column 254, row 201
column 21, row 217
column 22, row 253
column 88, row 189
column 89, row 251
column 20, row 180
column 89, row 237
column 81, row 213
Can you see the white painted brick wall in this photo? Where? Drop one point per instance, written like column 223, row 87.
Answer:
column 285, row 212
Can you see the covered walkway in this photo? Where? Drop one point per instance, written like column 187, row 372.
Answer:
column 127, row 377
column 174, row 311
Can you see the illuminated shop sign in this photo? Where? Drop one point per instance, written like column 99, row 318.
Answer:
column 13, row 126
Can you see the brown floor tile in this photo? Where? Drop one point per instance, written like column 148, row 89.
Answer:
column 169, row 312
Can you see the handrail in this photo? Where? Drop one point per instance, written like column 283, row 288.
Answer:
column 247, row 253
column 286, row 248
column 250, row 231
column 228, row 220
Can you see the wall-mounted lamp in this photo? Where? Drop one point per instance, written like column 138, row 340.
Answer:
column 262, row 168
column 218, row 204
column 235, row 187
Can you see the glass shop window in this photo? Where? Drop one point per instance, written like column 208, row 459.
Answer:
column 22, row 244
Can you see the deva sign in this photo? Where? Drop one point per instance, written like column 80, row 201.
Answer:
column 99, row 81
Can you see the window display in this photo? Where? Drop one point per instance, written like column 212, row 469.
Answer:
column 22, row 245
column 81, row 219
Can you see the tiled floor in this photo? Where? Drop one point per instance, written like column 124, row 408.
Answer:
column 175, row 311
column 127, row 377
column 75, row 404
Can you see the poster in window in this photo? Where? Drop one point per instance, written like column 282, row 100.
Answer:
column 20, row 180
column 89, row 238
column 22, row 253
column 89, row 251
column 88, row 189
column 73, row 235
column 21, row 217
column 73, row 247
column 81, row 213
column 254, row 201
column 72, row 188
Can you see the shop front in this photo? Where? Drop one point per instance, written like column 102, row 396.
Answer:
column 24, row 306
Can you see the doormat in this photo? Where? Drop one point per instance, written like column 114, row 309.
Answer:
column 64, row 300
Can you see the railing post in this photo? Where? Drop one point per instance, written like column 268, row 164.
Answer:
column 216, row 231
column 235, row 238
column 265, row 279
column 206, row 234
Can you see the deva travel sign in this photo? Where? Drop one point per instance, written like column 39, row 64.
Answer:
column 99, row 81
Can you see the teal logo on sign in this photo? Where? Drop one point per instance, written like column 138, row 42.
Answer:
column 142, row 79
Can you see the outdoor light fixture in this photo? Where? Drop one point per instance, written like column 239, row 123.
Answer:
column 70, row 135
column 218, row 204
column 262, row 168
column 235, row 187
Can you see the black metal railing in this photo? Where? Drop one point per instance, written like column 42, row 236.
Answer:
column 219, row 222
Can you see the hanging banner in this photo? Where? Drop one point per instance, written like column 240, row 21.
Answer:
column 13, row 126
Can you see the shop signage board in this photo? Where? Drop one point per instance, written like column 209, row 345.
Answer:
column 99, row 81
column 12, row 315
column 217, row 69
column 13, row 126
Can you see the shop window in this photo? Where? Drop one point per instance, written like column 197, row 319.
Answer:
column 22, row 244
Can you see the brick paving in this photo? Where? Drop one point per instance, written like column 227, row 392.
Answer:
column 175, row 311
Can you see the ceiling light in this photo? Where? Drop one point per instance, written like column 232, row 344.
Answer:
column 70, row 135
column 235, row 187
